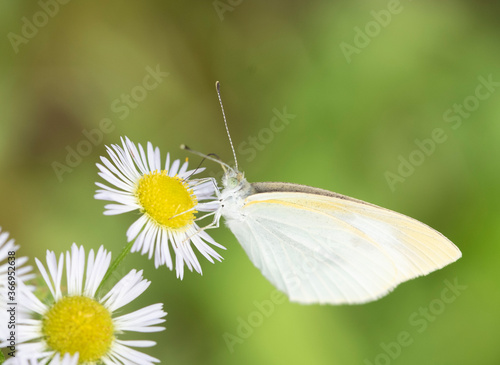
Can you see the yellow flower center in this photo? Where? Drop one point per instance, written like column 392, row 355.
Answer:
column 79, row 324
column 166, row 200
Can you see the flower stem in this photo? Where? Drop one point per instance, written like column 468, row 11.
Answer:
column 115, row 264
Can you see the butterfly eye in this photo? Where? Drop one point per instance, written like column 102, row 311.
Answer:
column 232, row 182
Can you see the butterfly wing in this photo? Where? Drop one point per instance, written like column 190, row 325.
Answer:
column 334, row 249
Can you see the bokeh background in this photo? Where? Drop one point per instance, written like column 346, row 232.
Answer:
column 362, row 91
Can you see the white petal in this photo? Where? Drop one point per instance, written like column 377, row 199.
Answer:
column 120, row 353
column 96, row 272
column 142, row 320
column 136, row 227
column 125, row 291
column 174, row 168
column 151, row 157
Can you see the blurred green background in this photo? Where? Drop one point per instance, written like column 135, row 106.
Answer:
column 364, row 81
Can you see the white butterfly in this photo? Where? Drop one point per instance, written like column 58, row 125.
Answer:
column 322, row 247
column 318, row 246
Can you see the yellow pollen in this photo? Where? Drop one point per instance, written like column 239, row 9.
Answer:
column 79, row 324
column 168, row 200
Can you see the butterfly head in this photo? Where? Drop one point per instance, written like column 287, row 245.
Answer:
column 234, row 183
column 232, row 178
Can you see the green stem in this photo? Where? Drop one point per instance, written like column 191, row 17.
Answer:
column 115, row 264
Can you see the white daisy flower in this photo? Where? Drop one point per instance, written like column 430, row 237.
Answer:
column 167, row 200
column 77, row 321
column 12, row 271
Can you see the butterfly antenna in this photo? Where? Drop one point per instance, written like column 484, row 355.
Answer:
column 217, row 86
column 208, row 157
column 196, row 169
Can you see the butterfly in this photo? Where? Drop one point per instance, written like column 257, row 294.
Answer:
column 318, row 246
